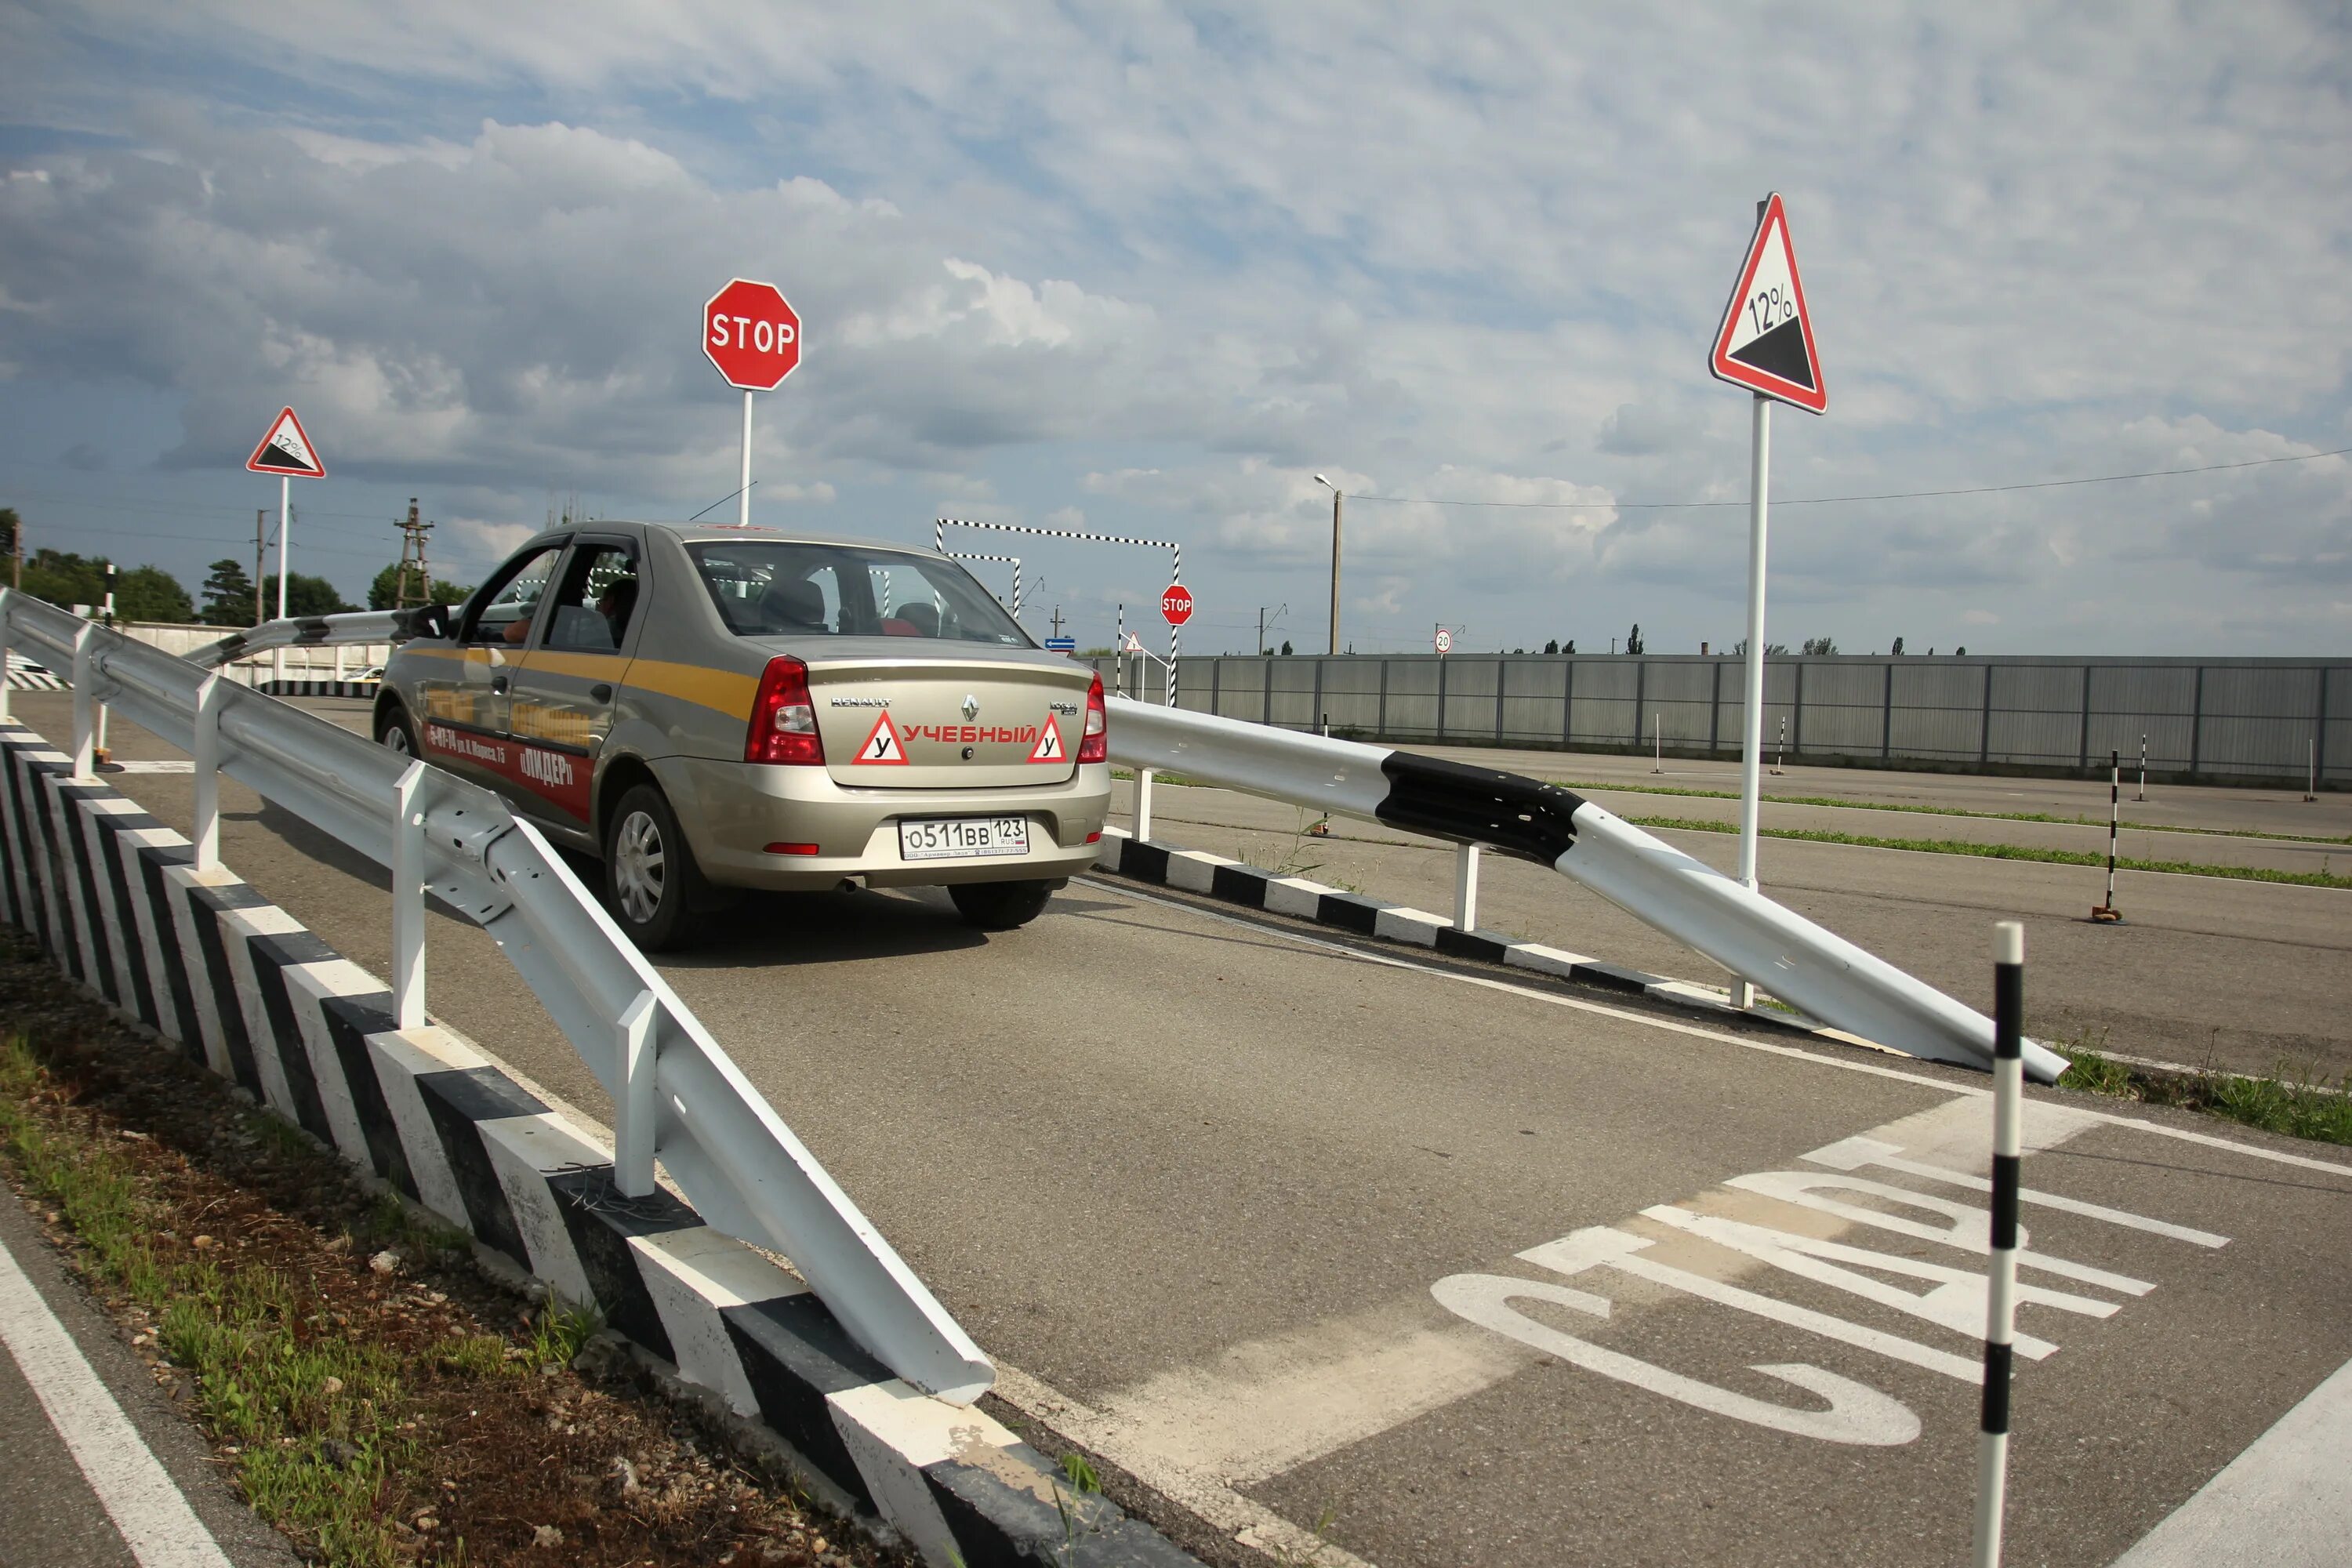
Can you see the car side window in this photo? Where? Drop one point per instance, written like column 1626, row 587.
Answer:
column 596, row 600
column 506, row 615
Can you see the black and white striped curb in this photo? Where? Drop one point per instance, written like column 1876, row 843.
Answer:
column 1233, row 882
column 238, row 984
column 320, row 688
column 23, row 675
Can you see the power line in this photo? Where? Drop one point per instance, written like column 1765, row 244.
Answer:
column 1831, row 500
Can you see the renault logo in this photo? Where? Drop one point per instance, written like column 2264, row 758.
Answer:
column 971, row 709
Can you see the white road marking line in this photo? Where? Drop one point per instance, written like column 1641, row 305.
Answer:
column 1259, row 1408
column 1671, row 1025
column 1251, row 1524
column 2284, row 1502
column 148, row 1510
column 1853, row 1153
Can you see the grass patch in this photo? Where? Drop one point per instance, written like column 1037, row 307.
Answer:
column 1946, row 811
column 313, row 1414
column 2007, row 852
column 2292, row 1103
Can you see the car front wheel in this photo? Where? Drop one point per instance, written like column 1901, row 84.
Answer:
column 1000, row 906
column 651, row 882
column 396, row 733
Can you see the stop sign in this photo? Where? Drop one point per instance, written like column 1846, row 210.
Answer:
column 1176, row 604
column 751, row 334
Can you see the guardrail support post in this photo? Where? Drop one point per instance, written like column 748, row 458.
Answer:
column 5, row 595
column 1143, row 806
column 203, row 747
column 633, row 1129
column 408, row 901
column 1466, row 887
column 85, row 676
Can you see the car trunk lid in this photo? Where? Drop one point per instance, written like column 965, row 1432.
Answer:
column 896, row 718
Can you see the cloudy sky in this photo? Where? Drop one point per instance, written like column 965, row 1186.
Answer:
column 1149, row 268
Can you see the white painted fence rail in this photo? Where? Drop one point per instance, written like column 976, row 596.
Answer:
column 731, row 1156
column 1814, row 970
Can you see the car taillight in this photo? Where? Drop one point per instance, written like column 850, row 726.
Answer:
column 1094, row 746
column 783, row 718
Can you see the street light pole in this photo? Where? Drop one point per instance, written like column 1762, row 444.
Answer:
column 1335, row 558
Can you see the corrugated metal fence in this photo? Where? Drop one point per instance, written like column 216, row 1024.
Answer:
column 2222, row 719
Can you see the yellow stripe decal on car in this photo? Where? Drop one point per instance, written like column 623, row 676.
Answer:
column 726, row 691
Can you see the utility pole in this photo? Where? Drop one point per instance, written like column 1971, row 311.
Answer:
column 1058, row 620
column 258, row 514
column 1279, row 611
column 1335, row 558
column 20, row 554
column 411, row 552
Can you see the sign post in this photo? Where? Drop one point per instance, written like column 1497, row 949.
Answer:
column 1176, row 608
column 286, row 452
column 1765, row 344
column 753, row 336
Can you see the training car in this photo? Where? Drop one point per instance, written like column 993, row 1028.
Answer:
column 711, row 708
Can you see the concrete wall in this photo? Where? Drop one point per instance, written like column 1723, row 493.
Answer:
column 2226, row 719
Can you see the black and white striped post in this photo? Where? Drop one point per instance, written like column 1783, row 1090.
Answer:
column 1175, row 563
column 2001, row 1291
column 2106, row 913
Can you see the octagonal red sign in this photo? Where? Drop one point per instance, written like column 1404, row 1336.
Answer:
column 751, row 334
column 1176, row 604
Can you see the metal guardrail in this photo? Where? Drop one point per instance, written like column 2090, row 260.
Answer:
column 676, row 1095
column 1811, row 969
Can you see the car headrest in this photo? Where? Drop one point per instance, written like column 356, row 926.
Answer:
column 793, row 599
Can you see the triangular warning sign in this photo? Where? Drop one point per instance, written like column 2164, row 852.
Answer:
column 287, row 451
column 1766, row 344
column 1049, row 743
column 883, row 744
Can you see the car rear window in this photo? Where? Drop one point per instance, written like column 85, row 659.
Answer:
column 777, row 588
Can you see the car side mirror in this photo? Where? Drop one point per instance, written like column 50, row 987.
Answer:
column 427, row 621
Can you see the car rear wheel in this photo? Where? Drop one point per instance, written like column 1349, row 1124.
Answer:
column 396, row 733
column 651, row 883
column 1000, row 906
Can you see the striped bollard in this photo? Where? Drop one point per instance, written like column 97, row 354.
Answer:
column 2000, row 1293
column 2106, row 913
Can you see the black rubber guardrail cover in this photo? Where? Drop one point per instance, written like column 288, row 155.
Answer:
column 1516, row 814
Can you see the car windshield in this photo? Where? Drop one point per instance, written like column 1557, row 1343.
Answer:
column 781, row 588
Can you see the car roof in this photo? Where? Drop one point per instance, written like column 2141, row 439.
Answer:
column 718, row 533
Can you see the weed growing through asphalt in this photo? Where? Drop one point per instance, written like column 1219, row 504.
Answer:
column 2294, row 1103
column 2006, row 852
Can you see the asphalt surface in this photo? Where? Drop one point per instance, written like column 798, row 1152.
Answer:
column 50, row 1517
column 1200, row 1184
column 2248, row 977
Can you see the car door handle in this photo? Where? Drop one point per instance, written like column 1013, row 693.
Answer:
column 498, row 683
column 601, row 692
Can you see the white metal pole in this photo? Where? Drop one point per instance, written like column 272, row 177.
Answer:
column 1466, row 888
column 106, row 614
column 408, row 901
column 1752, row 753
column 285, row 545
column 5, row 611
column 639, row 1101
column 743, row 495
column 1143, row 806
column 205, row 752
column 1657, row 745
column 85, row 676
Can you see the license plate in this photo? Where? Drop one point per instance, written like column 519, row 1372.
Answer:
column 950, row 838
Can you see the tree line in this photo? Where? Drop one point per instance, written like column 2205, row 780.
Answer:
column 227, row 598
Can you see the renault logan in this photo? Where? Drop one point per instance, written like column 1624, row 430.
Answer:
column 705, row 709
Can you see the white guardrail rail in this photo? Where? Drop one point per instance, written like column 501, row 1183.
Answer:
column 1813, row 970
column 675, row 1094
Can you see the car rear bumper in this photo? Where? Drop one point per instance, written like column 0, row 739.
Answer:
column 732, row 811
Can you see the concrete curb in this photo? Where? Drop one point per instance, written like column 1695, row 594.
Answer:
column 320, row 688
column 232, row 980
column 1233, row 882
